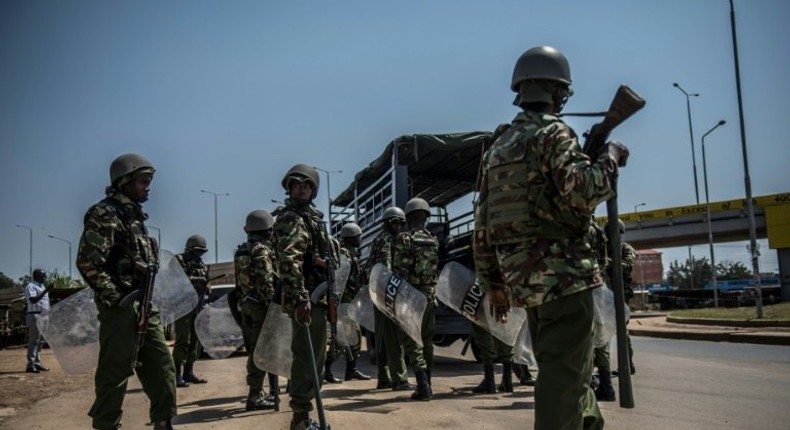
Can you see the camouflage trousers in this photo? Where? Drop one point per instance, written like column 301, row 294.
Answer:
column 117, row 333
column 186, row 348
column 492, row 350
column 421, row 356
column 562, row 340
column 301, row 387
column 253, row 314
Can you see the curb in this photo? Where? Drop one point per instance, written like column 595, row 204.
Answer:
column 727, row 323
column 721, row 336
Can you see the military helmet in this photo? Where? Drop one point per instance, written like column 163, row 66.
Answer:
column 258, row 220
column 541, row 62
column 197, row 242
column 126, row 164
column 350, row 229
column 620, row 225
column 304, row 171
column 417, row 204
column 393, row 212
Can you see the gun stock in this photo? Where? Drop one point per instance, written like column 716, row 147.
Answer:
column 626, row 102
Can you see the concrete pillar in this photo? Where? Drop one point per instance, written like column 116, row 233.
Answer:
column 784, row 272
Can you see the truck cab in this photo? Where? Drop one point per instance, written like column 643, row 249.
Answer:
column 442, row 169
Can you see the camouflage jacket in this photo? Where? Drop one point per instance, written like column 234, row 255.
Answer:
column 299, row 239
column 381, row 250
column 253, row 263
column 416, row 259
column 627, row 261
column 599, row 244
column 115, row 247
column 196, row 270
column 537, row 194
column 356, row 277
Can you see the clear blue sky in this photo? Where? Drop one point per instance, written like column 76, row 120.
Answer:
column 225, row 96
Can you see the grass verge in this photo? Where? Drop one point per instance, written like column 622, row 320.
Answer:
column 778, row 312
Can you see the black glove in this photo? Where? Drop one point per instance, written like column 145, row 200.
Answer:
column 109, row 296
column 617, row 152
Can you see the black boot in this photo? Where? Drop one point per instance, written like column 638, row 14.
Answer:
column 507, row 378
column 163, row 425
column 605, row 390
column 302, row 421
column 353, row 373
column 328, row 376
column 423, row 391
column 180, row 382
column 189, row 375
column 488, row 385
column 428, row 375
column 257, row 401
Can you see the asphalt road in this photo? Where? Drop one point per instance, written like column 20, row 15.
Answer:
column 679, row 385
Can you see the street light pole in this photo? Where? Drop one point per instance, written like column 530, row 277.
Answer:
column 31, row 246
column 640, row 204
column 710, row 224
column 691, row 134
column 216, row 240
column 755, row 253
column 52, row 236
column 328, row 192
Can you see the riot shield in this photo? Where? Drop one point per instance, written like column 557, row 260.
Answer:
column 217, row 330
column 522, row 350
column 341, row 278
column 458, row 289
column 604, row 322
column 361, row 309
column 398, row 300
column 346, row 327
column 173, row 294
column 273, row 349
column 71, row 328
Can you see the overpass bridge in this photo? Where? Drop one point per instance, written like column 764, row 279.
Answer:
column 688, row 225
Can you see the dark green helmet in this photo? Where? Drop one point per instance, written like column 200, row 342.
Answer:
column 547, row 74
column 620, row 225
column 196, row 242
column 126, row 164
column 258, row 220
column 350, row 229
column 417, row 204
column 302, row 171
column 393, row 212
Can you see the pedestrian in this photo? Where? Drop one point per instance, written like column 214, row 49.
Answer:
column 301, row 245
column 114, row 253
column 37, row 298
column 253, row 262
column 416, row 260
column 538, row 191
column 350, row 240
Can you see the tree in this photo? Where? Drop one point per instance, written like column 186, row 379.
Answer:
column 691, row 274
column 728, row 271
column 6, row 282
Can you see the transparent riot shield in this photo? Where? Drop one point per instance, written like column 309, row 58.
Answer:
column 522, row 350
column 458, row 289
column 173, row 294
column 217, row 330
column 398, row 300
column 361, row 309
column 71, row 328
column 273, row 349
column 346, row 327
column 604, row 321
column 341, row 278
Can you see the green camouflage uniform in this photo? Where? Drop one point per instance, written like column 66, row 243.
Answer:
column 255, row 276
column 389, row 351
column 416, row 259
column 299, row 237
column 602, row 356
column 355, row 282
column 538, row 193
column 186, row 348
column 114, row 241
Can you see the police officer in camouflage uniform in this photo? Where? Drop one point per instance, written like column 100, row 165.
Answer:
column 350, row 237
column 300, row 242
column 114, row 251
column 538, row 192
column 186, row 348
column 253, row 262
column 416, row 259
column 390, row 361
column 627, row 259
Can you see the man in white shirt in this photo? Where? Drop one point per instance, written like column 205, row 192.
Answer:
column 37, row 299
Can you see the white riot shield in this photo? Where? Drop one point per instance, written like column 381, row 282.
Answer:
column 273, row 349
column 346, row 327
column 398, row 300
column 604, row 321
column 361, row 309
column 458, row 289
column 522, row 350
column 217, row 330
column 341, row 278
column 71, row 328
column 173, row 294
